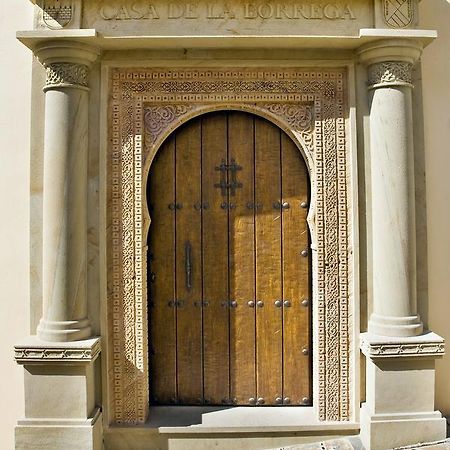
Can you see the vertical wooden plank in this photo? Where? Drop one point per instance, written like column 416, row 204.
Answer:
column 160, row 193
column 215, row 261
column 242, row 261
column 188, row 264
column 296, row 285
column 268, row 262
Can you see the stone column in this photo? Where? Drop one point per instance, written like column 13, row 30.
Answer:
column 65, row 191
column 392, row 188
column 400, row 359
column 61, row 363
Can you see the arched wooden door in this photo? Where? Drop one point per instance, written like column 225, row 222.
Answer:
column 229, row 262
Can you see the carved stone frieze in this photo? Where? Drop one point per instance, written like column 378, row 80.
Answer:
column 420, row 346
column 387, row 73
column 146, row 106
column 63, row 73
column 39, row 352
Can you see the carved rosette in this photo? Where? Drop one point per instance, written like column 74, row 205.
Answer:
column 390, row 73
column 67, row 74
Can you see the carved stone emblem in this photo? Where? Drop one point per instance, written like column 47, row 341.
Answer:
column 57, row 14
column 398, row 13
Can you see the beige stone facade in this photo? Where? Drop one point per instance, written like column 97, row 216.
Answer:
column 361, row 89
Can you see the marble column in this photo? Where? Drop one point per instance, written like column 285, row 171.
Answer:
column 400, row 358
column 390, row 65
column 65, row 191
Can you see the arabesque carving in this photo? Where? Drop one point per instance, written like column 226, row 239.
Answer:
column 386, row 73
column 146, row 105
column 67, row 74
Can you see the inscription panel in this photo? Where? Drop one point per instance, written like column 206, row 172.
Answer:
column 221, row 18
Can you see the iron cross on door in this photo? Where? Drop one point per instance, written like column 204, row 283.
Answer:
column 228, row 171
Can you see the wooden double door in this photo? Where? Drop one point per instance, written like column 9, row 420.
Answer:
column 229, row 266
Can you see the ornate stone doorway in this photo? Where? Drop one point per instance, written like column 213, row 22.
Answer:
column 310, row 106
column 229, row 293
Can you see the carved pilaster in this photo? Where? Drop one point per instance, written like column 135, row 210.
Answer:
column 66, row 74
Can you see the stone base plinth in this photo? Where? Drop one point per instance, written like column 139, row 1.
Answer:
column 61, row 411
column 59, row 434
column 400, row 388
column 384, row 431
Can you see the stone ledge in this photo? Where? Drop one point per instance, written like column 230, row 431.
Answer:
column 426, row 345
column 35, row 351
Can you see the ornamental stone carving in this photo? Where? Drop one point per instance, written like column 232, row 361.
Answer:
column 36, row 351
column 398, row 13
column 390, row 73
column 428, row 345
column 146, row 106
column 64, row 74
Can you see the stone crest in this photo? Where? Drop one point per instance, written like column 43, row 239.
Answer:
column 57, row 14
column 146, row 106
column 398, row 13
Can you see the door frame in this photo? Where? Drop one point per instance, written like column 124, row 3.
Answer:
column 283, row 96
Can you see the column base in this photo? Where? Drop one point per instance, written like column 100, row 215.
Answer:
column 54, row 434
column 66, row 331
column 400, row 389
column 383, row 431
column 395, row 326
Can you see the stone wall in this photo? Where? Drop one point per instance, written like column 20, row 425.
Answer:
column 15, row 91
column 435, row 14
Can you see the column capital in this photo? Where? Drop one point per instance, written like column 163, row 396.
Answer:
column 67, row 63
column 390, row 61
column 390, row 50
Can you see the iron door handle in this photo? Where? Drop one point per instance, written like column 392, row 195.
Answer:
column 188, row 264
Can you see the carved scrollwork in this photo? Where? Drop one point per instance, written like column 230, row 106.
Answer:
column 387, row 73
column 158, row 118
column 67, row 74
column 300, row 118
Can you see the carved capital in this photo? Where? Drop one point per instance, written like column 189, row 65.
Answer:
column 67, row 74
column 390, row 73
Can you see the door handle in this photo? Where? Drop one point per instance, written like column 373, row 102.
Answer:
column 188, row 264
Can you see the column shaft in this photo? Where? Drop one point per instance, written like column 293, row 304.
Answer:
column 393, row 206
column 393, row 201
column 65, row 215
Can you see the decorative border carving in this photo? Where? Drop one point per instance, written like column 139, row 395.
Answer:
column 389, row 73
column 403, row 350
column 39, row 354
column 146, row 106
column 67, row 74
